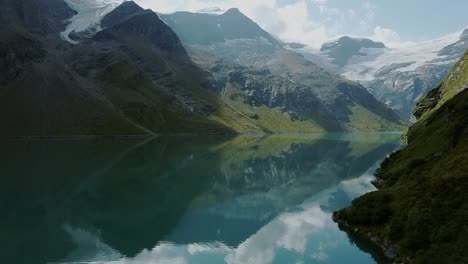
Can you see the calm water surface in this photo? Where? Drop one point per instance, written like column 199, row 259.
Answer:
column 186, row 200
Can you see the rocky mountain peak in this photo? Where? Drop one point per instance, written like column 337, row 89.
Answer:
column 343, row 49
column 348, row 42
column 124, row 11
column 134, row 23
column 212, row 10
column 231, row 25
column 464, row 35
column 234, row 11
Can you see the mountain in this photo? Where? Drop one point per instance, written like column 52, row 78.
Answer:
column 130, row 75
column 250, row 66
column 133, row 77
column 342, row 50
column 39, row 94
column 229, row 26
column 107, row 67
column 397, row 76
column 418, row 214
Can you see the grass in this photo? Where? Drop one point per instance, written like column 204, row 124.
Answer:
column 245, row 118
column 363, row 120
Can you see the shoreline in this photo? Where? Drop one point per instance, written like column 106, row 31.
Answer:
column 385, row 248
column 141, row 136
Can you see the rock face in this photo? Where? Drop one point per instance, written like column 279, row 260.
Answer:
column 400, row 77
column 267, row 74
column 421, row 203
column 401, row 90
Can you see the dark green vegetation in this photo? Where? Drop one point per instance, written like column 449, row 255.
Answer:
column 419, row 214
column 97, row 199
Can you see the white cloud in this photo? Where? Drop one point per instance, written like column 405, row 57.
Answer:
column 387, row 36
column 321, row 2
column 299, row 26
column 311, row 22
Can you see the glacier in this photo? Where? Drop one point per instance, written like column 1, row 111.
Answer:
column 89, row 15
column 406, row 58
column 414, row 55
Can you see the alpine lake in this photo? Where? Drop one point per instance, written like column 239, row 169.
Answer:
column 183, row 199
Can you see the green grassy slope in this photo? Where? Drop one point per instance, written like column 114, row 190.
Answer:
column 419, row 213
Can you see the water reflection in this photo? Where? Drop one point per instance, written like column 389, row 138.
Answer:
column 185, row 200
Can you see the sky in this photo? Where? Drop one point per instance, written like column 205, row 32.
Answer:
column 313, row 22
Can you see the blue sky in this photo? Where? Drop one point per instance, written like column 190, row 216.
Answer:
column 412, row 19
column 395, row 22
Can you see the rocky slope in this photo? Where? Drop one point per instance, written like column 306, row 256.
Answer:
column 419, row 213
column 282, row 79
column 400, row 77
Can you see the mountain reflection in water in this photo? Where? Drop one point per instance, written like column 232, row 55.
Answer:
column 185, row 199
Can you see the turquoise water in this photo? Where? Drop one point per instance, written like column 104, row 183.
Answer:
column 186, row 199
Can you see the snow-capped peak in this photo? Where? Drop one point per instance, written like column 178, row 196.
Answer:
column 212, row 10
column 90, row 13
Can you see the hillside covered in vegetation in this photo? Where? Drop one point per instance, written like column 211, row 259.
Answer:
column 419, row 213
